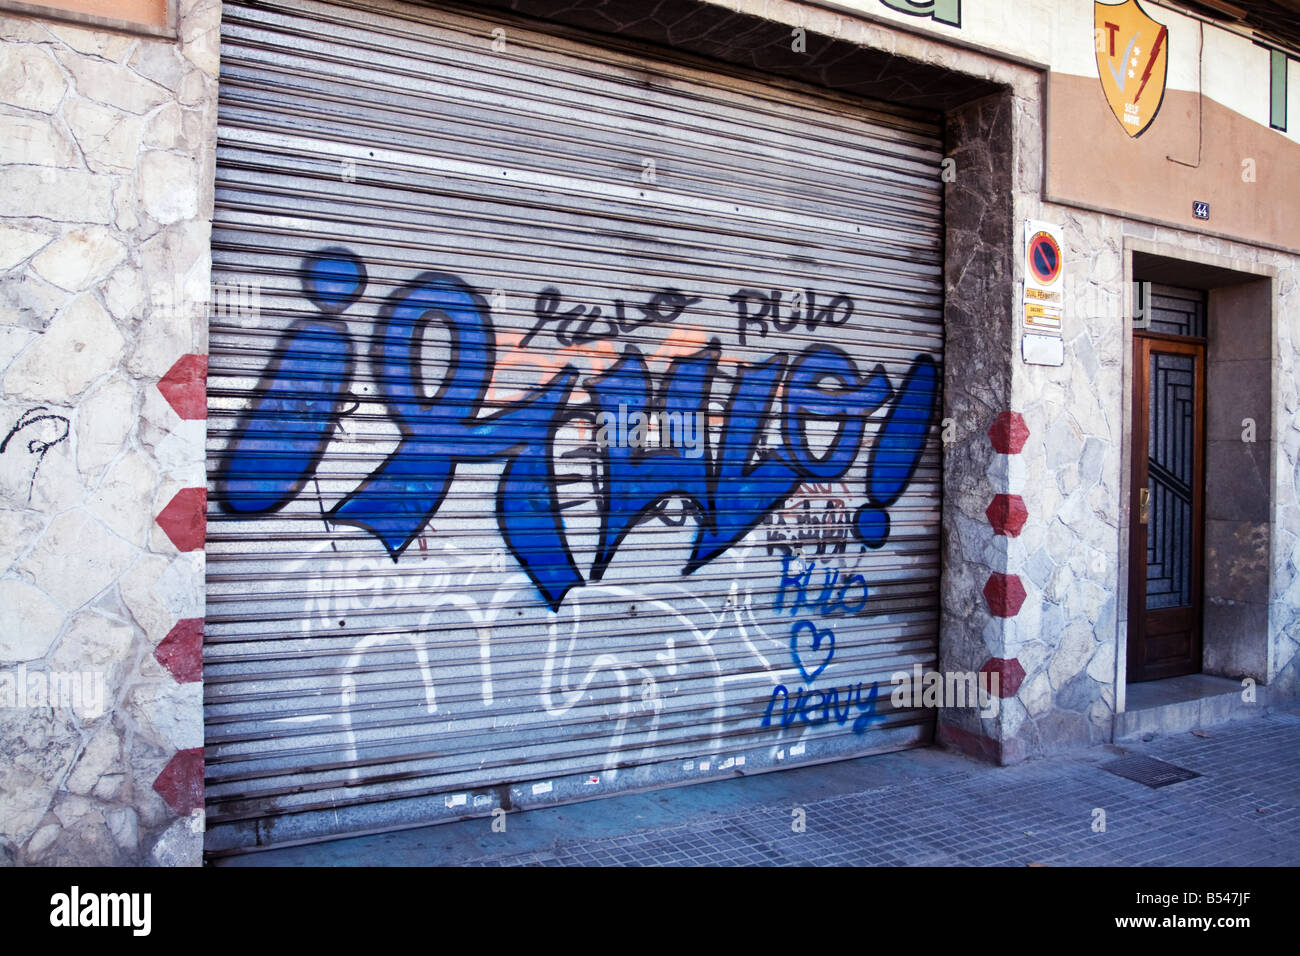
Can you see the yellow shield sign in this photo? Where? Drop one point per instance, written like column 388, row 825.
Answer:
column 1132, row 61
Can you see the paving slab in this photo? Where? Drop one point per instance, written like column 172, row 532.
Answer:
column 924, row 807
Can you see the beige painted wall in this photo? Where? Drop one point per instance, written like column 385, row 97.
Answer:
column 1093, row 162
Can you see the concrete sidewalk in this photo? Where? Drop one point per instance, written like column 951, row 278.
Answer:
column 921, row 807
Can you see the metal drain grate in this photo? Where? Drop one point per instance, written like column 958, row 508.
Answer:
column 1148, row 770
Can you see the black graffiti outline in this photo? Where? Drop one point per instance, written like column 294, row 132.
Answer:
column 37, row 446
column 808, row 313
column 617, row 324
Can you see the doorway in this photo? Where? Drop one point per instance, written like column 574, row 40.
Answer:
column 1167, row 533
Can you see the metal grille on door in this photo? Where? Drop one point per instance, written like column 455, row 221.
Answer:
column 573, row 420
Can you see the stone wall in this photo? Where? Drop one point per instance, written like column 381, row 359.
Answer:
column 105, row 215
column 978, row 374
column 1054, row 621
column 1070, row 634
column 1065, row 636
column 1284, row 581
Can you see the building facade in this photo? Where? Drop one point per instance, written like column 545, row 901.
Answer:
column 421, row 410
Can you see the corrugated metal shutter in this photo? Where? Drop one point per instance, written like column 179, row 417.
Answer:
column 446, row 243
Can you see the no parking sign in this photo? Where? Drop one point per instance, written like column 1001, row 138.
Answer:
column 1043, row 252
column 1044, row 299
column 1043, row 284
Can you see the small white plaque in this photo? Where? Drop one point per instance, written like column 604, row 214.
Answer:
column 1042, row 349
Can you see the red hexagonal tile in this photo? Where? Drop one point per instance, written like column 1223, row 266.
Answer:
column 1010, row 674
column 1007, row 514
column 1008, row 433
column 185, row 519
column 181, row 781
column 1005, row 594
column 181, row 651
column 185, row 386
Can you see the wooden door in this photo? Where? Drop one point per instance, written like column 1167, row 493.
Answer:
column 1168, row 503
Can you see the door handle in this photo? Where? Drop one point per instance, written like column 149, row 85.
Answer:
column 1144, row 505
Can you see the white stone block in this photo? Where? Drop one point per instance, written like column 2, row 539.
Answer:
column 104, row 420
column 1072, row 654
column 1036, row 695
column 161, row 341
column 172, row 713
column 63, row 195
column 201, row 44
column 181, row 453
column 1012, row 715
column 126, row 295
column 102, row 649
column 18, row 530
column 34, row 141
column 100, row 756
column 168, row 185
column 37, row 747
column 110, row 46
column 30, row 79
column 12, row 341
column 196, row 88
column 124, row 498
column 56, row 483
column 180, row 845
column 29, row 622
column 23, row 30
column 112, row 84
column 29, row 301
column 1102, row 666
column 159, row 592
column 79, row 346
column 16, row 244
column 38, row 437
column 80, row 259
column 182, row 584
column 43, row 840
column 161, row 63
column 124, row 824
column 109, row 138
column 76, row 558
column 140, row 591
column 163, row 129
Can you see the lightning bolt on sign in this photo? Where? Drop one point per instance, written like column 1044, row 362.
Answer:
column 1132, row 62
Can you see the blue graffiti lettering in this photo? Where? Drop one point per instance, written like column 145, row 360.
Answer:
column 818, row 638
column 801, row 706
column 279, row 440
column 830, row 601
column 638, row 479
column 402, row 494
column 897, row 451
column 300, row 398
